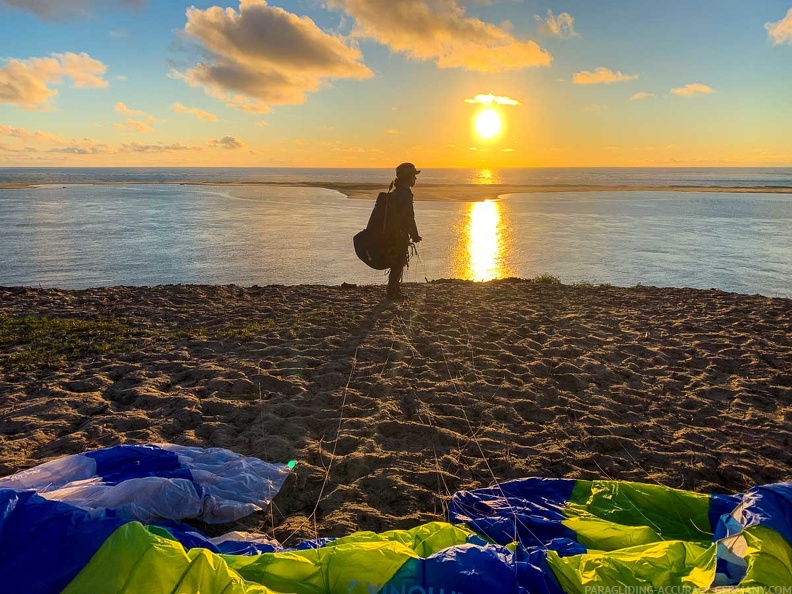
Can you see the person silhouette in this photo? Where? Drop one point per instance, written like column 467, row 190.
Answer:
column 400, row 227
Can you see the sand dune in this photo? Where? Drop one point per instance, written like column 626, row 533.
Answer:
column 388, row 408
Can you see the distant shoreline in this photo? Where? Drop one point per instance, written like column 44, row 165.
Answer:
column 445, row 192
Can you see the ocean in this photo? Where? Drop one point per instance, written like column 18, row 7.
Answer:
column 629, row 176
column 71, row 233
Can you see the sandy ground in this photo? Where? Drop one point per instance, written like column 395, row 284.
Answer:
column 388, row 408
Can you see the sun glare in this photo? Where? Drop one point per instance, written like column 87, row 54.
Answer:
column 484, row 254
column 488, row 123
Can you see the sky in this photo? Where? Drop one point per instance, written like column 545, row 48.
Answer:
column 371, row 83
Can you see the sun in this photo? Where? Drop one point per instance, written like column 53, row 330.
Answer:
column 488, row 123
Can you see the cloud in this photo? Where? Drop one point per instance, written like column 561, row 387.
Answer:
column 203, row 115
column 600, row 75
column 135, row 124
column 91, row 149
column 781, row 31
column 6, row 130
column 264, row 55
column 562, row 26
column 441, row 31
column 137, row 147
column 490, row 99
column 46, row 143
column 393, row 132
column 139, row 126
column 50, row 10
column 27, row 82
column 123, row 109
column 641, row 95
column 82, row 69
column 693, row 89
column 262, row 123
column 41, row 142
column 227, row 142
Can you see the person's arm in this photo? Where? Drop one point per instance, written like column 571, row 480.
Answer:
column 413, row 228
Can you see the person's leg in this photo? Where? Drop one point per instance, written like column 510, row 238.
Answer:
column 395, row 275
column 394, row 278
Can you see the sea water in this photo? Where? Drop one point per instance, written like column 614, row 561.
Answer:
column 78, row 235
column 628, row 176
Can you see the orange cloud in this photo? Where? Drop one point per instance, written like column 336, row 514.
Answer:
column 87, row 149
column 203, row 115
column 264, row 55
column 137, row 147
column 123, row 109
column 227, row 142
column 27, row 82
column 781, row 31
column 600, row 75
column 6, row 130
column 139, row 126
column 641, row 95
column 441, row 31
column 692, row 89
column 490, row 99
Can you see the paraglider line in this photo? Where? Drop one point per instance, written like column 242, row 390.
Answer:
column 428, row 411
column 514, row 514
column 312, row 517
column 517, row 520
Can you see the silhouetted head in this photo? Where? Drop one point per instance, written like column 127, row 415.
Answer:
column 406, row 174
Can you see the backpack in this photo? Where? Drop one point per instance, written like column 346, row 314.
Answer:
column 370, row 242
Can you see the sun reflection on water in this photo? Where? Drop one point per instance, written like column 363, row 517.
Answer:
column 483, row 243
column 487, row 177
column 484, row 176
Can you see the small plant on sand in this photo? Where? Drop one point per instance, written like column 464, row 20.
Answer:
column 546, row 279
column 250, row 331
column 583, row 284
column 36, row 341
column 183, row 333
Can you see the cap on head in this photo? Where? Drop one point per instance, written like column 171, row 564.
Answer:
column 406, row 169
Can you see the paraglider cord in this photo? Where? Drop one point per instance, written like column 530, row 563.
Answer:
column 312, row 517
column 515, row 516
column 414, row 250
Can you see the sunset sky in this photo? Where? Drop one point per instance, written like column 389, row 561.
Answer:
column 370, row 83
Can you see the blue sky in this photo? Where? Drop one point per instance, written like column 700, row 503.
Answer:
column 371, row 82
